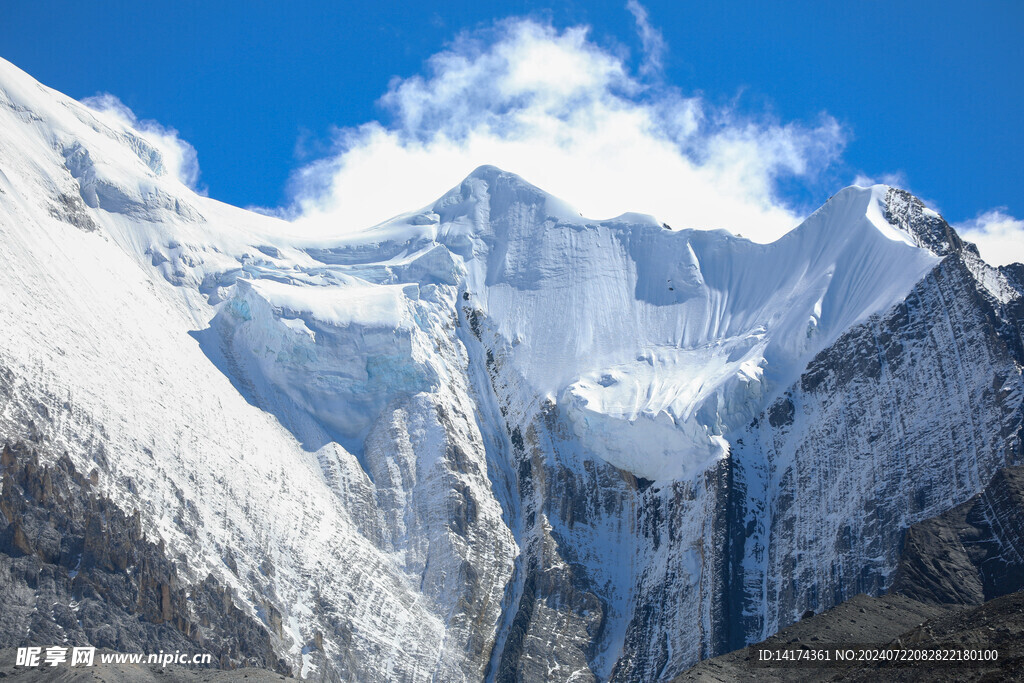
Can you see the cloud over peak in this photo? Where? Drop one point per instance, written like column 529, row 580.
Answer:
column 574, row 119
column 179, row 156
column 604, row 131
column 999, row 236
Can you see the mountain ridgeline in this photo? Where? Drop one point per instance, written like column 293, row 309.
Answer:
column 489, row 439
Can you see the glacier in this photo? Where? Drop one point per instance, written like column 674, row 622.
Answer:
column 491, row 438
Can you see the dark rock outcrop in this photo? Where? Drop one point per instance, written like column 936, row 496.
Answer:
column 958, row 585
column 75, row 569
column 894, row 621
column 971, row 553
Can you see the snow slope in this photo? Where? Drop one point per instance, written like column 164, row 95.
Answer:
column 676, row 335
column 103, row 344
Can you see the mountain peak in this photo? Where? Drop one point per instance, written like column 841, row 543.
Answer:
column 489, row 172
column 925, row 227
column 895, row 213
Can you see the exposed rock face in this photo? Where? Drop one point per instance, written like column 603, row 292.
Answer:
column 925, row 227
column 905, row 416
column 969, row 554
column 957, row 585
column 76, row 570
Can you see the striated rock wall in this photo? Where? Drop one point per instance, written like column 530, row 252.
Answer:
column 77, row 570
column 969, row 554
column 904, row 417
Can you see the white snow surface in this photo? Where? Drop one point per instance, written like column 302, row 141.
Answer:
column 662, row 341
column 230, row 362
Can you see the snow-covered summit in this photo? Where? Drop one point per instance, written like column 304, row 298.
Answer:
column 681, row 334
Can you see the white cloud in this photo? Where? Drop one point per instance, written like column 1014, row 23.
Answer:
column 179, row 157
column 572, row 118
column 650, row 37
column 897, row 179
column 999, row 236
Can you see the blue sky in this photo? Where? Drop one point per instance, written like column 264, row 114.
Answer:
column 787, row 102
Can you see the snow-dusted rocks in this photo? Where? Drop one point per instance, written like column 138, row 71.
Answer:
column 492, row 438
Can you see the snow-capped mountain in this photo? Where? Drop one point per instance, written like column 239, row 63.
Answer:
column 492, row 438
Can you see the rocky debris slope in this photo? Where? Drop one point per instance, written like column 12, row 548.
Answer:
column 861, row 619
column 76, row 570
column 995, row 625
column 891, row 620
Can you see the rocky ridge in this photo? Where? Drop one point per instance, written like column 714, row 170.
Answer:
column 76, row 570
